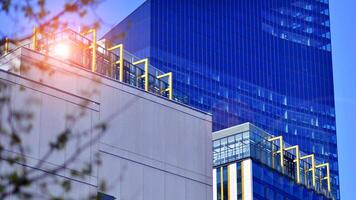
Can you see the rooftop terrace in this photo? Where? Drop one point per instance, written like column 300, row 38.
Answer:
column 248, row 141
column 111, row 61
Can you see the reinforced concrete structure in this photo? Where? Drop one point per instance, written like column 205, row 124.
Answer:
column 153, row 148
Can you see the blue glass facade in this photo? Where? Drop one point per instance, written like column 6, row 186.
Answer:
column 262, row 61
column 269, row 184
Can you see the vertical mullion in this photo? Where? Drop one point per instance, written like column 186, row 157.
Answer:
column 242, row 181
column 222, row 183
column 228, row 183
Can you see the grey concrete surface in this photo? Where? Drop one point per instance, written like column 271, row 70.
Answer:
column 153, row 148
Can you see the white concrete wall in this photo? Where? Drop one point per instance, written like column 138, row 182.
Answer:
column 153, row 148
column 215, row 192
column 247, row 179
column 232, row 181
column 233, row 190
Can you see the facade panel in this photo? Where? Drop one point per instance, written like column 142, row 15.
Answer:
column 153, row 148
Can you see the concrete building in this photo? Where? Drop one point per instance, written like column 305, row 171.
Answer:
column 153, row 149
column 251, row 164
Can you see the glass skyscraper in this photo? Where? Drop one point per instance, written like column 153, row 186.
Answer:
column 262, row 61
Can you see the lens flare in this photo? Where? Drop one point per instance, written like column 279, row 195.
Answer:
column 62, row 50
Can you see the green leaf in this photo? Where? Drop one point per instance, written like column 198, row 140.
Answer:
column 66, row 185
column 71, row 7
column 62, row 140
column 15, row 139
column 5, row 5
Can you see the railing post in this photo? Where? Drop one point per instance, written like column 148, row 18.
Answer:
column 327, row 177
column 280, row 151
column 93, row 47
column 34, row 38
column 170, row 82
column 120, row 61
column 296, row 160
column 6, row 46
column 145, row 75
column 312, row 169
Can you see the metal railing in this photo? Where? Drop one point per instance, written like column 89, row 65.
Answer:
column 88, row 54
column 288, row 160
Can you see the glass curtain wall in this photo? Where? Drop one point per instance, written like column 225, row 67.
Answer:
column 267, row 62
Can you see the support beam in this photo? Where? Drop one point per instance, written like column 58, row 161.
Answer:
column 312, row 169
column 232, row 181
column 280, row 151
column 215, row 188
column 120, row 61
column 170, row 82
column 145, row 74
column 6, row 46
column 296, row 160
column 247, row 179
column 34, row 38
column 93, row 46
column 327, row 177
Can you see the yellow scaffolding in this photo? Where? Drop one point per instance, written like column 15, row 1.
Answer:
column 93, row 46
column 145, row 75
column 327, row 177
column 296, row 160
column 170, row 82
column 6, row 46
column 120, row 62
column 34, row 38
column 312, row 169
column 280, row 151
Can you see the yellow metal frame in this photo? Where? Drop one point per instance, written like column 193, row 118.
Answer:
column 312, row 169
column 280, row 151
column 6, row 46
column 296, row 160
column 34, row 38
column 327, row 177
column 170, row 82
column 120, row 61
column 93, row 46
column 145, row 75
